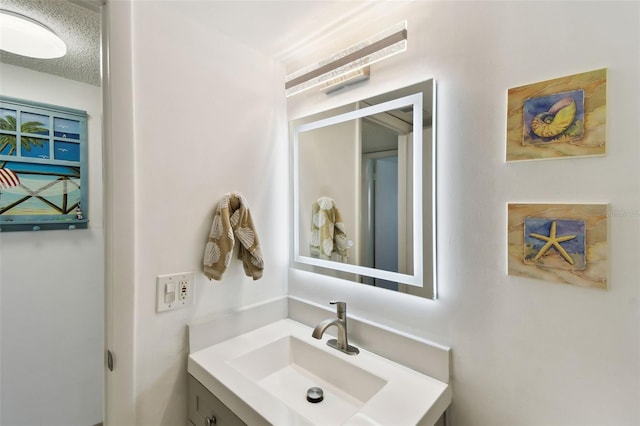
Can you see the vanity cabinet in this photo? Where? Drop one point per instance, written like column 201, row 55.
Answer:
column 205, row 409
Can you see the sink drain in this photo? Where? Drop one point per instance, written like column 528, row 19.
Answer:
column 315, row 395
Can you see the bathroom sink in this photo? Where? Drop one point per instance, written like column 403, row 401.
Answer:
column 288, row 367
column 264, row 376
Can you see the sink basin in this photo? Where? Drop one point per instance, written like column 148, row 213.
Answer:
column 264, row 375
column 288, row 367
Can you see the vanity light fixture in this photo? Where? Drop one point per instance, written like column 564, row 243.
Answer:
column 24, row 36
column 381, row 46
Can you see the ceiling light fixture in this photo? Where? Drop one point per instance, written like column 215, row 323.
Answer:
column 353, row 58
column 24, row 36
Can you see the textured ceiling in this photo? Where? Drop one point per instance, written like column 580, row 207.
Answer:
column 77, row 23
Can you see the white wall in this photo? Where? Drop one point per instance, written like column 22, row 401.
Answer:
column 209, row 118
column 52, row 289
column 525, row 352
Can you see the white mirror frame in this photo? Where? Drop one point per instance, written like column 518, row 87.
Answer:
column 415, row 279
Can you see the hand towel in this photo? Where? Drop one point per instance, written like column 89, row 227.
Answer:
column 328, row 236
column 232, row 221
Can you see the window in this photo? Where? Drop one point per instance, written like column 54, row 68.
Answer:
column 43, row 166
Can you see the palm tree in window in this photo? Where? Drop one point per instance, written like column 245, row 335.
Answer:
column 26, row 142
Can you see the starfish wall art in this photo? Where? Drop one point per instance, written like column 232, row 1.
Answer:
column 565, row 243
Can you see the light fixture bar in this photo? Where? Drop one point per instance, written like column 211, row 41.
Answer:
column 365, row 53
column 352, row 77
column 348, row 58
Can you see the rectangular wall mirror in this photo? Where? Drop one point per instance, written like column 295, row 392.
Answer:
column 363, row 191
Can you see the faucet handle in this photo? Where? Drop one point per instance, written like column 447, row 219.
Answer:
column 341, row 307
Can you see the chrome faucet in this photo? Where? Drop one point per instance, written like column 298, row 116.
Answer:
column 341, row 343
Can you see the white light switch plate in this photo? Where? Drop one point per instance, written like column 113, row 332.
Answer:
column 174, row 291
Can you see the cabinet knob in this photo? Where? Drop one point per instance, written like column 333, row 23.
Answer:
column 210, row 421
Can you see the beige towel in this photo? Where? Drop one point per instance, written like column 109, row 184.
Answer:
column 232, row 221
column 328, row 236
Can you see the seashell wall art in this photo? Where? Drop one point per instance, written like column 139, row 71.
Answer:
column 563, row 117
column 566, row 243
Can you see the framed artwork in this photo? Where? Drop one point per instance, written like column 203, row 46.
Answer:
column 566, row 243
column 43, row 166
column 564, row 117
